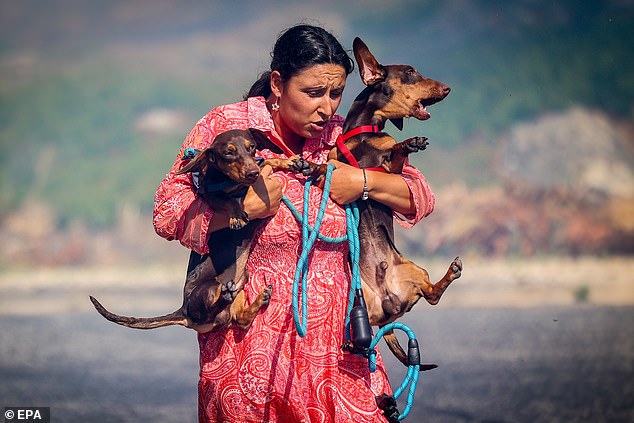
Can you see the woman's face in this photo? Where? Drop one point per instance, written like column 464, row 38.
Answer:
column 307, row 100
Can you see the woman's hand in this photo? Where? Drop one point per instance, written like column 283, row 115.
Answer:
column 387, row 188
column 263, row 198
column 346, row 184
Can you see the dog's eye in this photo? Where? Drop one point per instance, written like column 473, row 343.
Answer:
column 230, row 151
column 411, row 71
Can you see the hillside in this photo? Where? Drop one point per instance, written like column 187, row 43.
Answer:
column 95, row 98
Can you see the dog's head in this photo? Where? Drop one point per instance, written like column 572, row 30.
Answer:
column 398, row 90
column 231, row 153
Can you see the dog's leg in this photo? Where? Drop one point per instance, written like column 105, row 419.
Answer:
column 231, row 207
column 238, row 218
column 202, row 302
column 243, row 315
column 297, row 164
column 401, row 150
column 412, row 281
column 432, row 293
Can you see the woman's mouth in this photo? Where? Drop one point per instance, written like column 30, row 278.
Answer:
column 318, row 126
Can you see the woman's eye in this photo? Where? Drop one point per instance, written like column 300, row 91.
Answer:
column 315, row 91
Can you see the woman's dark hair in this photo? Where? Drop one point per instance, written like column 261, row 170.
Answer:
column 298, row 48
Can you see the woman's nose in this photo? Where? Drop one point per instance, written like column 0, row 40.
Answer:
column 326, row 108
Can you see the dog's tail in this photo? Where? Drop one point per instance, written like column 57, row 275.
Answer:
column 392, row 342
column 175, row 318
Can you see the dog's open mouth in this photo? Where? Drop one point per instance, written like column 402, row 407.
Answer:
column 420, row 110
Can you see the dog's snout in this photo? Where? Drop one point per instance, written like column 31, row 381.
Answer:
column 253, row 174
column 446, row 89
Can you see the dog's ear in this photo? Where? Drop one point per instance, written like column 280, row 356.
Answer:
column 263, row 142
column 260, row 138
column 370, row 69
column 398, row 123
column 200, row 163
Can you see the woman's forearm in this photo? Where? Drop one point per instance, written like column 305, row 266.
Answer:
column 391, row 190
column 387, row 188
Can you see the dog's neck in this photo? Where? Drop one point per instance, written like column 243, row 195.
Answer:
column 362, row 111
column 215, row 181
column 213, row 174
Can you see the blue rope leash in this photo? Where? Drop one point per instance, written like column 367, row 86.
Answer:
column 309, row 235
column 413, row 359
column 355, row 301
column 308, row 240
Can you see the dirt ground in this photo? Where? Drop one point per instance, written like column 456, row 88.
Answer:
column 544, row 340
column 509, row 365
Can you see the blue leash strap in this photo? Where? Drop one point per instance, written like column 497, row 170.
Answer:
column 309, row 235
column 413, row 368
column 352, row 220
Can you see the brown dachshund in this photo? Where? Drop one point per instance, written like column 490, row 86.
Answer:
column 213, row 296
column 392, row 284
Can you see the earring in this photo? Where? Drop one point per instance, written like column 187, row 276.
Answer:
column 275, row 106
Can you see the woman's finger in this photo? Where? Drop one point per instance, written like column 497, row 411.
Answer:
column 266, row 171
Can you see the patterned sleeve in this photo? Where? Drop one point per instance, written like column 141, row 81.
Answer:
column 178, row 212
column 422, row 195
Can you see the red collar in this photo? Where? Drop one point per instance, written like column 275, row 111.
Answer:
column 341, row 139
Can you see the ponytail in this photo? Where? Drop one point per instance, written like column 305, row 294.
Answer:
column 261, row 87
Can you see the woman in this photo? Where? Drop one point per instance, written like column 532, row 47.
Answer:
column 268, row 372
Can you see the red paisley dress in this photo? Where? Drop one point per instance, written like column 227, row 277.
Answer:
column 268, row 373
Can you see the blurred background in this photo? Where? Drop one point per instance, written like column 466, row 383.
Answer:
column 531, row 157
column 531, row 154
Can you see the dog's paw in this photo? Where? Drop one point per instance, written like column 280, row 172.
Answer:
column 266, row 294
column 455, row 269
column 300, row 165
column 229, row 291
column 238, row 222
column 415, row 144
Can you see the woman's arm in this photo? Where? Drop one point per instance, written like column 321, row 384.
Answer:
column 178, row 212
column 261, row 200
column 407, row 194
